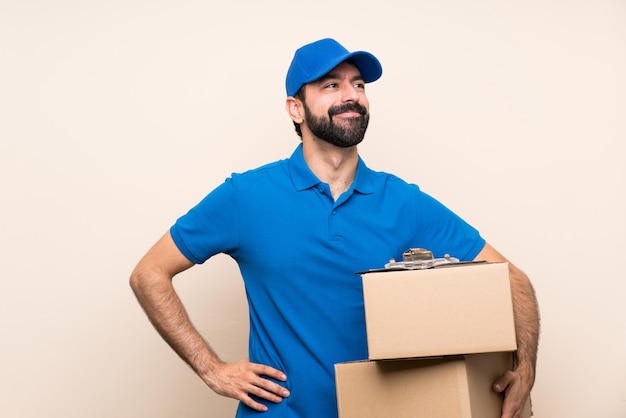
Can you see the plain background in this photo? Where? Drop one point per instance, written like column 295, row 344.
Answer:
column 116, row 117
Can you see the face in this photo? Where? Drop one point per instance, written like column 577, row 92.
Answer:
column 336, row 109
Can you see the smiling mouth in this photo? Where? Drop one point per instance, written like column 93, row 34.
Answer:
column 348, row 115
column 350, row 110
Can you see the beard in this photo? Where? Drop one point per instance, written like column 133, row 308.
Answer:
column 349, row 133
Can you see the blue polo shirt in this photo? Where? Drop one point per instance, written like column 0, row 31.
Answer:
column 298, row 251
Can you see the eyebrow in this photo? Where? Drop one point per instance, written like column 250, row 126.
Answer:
column 335, row 76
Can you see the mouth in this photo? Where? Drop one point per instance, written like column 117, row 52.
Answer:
column 347, row 115
column 347, row 111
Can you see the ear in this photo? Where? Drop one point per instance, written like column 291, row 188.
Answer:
column 294, row 109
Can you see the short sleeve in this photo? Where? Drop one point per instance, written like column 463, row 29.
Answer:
column 444, row 232
column 210, row 227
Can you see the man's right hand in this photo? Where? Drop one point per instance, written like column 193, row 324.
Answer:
column 241, row 379
column 152, row 283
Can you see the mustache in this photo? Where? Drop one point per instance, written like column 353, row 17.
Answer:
column 347, row 107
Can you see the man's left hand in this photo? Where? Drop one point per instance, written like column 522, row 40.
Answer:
column 515, row 395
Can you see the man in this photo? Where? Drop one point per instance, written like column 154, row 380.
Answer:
column 299, row 228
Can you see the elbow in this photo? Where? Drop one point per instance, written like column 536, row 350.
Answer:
column 145, row 280
column 139, row 281
column 135, row 281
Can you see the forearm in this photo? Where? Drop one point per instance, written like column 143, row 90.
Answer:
column 526, row 324
column 152, row 283
column 526, row 314
column 157, row 297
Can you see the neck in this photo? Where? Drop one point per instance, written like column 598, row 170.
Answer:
column 333, row 165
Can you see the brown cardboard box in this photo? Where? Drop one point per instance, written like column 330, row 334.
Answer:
column 445, row 387
column 462, row 309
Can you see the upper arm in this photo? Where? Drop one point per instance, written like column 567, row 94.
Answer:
column 520, row 283
column 488, row 253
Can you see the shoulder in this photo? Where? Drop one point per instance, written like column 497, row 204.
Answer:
column 266, row 171
column 382, row 181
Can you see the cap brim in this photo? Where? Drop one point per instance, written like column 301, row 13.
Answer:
column 368, row 65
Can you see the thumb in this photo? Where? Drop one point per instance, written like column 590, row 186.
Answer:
column 503, row 382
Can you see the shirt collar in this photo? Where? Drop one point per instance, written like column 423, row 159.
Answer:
column 303, row 178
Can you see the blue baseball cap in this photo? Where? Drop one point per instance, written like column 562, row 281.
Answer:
column 316, row 59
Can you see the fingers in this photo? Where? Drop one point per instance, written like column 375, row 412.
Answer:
column 265, row 388
column 268, row 371
column 243, row 379
column 511, row 385
column 504, row 381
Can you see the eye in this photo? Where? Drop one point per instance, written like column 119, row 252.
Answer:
column 331, row 85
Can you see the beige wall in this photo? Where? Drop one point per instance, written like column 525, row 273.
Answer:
column 116, row 117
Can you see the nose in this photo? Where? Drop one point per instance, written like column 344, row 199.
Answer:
column 349, row 93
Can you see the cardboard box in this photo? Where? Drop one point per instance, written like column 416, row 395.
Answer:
column 446, row 387
column 463, row 309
